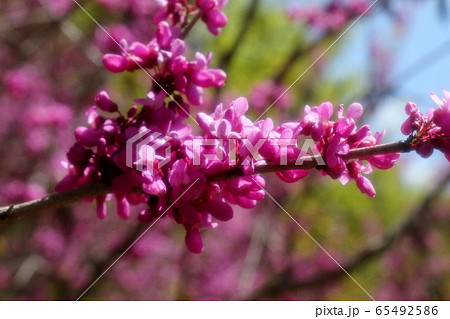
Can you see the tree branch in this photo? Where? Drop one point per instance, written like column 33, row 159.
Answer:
column 190, row 25
column 307, row 162
column 53, row 201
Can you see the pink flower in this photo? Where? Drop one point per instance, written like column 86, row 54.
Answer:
column 214, row 18
column 103, row 101
column 86, row 136
column 198, row 76
column 432, row 130
column 194, row 241
column 172, row 10
column 441, row 116
column 135, row 56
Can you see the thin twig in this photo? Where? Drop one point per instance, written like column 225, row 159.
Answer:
column 53, row 201
column 190, row 25
column 309, row 162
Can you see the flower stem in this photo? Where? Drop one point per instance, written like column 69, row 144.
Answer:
column 309, row 162
column 190, row 25
column 53, row 200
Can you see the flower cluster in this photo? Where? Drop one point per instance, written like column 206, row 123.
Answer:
column 335, row 139
column 212, row 15
column 41, row 122
column 177, row 12
column 432, row 130
column 164, row 59
column 174, row 177
column 195, row 179
column 100, row 155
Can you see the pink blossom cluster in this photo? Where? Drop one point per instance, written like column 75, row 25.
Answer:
column 65, row 246
column 100, row 155
column 163, row 57
column 337, row 138
column 177, row 12
column 335, row 15
column 172, row 71
column 37, row 122
column 432, row 130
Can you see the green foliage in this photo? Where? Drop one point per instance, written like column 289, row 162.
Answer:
column 344, row 219
column 268, row 41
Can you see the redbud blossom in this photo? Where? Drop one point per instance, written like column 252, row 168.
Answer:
column 432, row 130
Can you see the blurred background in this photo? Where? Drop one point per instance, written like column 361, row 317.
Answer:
column 396, row 245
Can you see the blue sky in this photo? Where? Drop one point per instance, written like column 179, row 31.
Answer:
column 423, row 33
column 421, row 63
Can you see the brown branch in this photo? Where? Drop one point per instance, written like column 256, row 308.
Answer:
column 96, row 189
column 190, row 25
column 53, row 201
column 309, row 162
column 285, row 282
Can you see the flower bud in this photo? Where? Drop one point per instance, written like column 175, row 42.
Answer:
column 193, row 241
column 104, row 102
